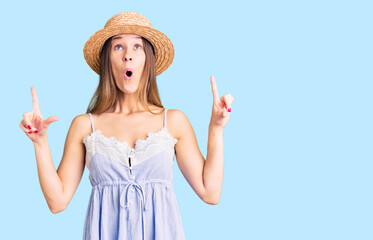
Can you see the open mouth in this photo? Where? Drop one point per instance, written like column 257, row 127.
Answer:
column 128, row 74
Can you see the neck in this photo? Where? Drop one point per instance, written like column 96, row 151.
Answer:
column 128, row 103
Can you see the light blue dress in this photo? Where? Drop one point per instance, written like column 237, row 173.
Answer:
column 132, row 191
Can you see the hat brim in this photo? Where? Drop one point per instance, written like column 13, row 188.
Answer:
column 163, row 48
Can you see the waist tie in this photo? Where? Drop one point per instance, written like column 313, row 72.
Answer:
column 141, row 192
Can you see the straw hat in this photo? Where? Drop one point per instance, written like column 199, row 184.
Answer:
column 130, row 22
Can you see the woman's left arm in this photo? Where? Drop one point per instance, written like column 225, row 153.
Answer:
column 204, row 176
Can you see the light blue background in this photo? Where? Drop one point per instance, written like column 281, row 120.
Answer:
column 297, row 147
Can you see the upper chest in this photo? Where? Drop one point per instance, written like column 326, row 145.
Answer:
column 128, row 128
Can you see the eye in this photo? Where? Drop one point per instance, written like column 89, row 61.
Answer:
column 137, row 46
column 117, row 46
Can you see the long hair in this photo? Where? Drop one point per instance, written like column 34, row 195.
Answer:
column 107, row 92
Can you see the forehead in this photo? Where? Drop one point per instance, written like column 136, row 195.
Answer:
column 126, row 36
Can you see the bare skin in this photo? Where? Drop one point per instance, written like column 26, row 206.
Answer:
column 129, row 122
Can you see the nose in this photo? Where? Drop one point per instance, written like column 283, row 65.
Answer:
column 127, row 54
column 126, row 59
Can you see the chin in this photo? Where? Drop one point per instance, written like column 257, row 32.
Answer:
column 130, row 91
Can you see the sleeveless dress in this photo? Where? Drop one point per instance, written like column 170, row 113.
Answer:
column 132, row 191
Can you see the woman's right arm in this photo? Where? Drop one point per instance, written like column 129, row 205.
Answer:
column 58, row 186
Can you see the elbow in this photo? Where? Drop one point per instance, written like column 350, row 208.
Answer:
column 211, row 200
column 57, row 209
column 57, row 204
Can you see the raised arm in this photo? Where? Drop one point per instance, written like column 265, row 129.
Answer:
column 204, row 176
column 58, row 186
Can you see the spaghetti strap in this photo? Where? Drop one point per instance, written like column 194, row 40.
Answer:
column 90, row 116
column 165, row 118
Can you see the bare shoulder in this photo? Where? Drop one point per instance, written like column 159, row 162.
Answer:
column 81, row 126
column 177, row 121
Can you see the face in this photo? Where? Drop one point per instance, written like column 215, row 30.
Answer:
column 127, row 59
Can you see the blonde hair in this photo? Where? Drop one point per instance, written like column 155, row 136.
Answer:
column 107, row 92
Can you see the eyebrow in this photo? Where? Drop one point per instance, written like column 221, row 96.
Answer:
column 119, row 37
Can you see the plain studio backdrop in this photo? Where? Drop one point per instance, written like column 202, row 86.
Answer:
column 298, row 145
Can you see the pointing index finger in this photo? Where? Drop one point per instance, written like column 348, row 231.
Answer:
column 215, row 92
column 35, row 101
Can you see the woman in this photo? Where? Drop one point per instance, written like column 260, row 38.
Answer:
column 131, row 171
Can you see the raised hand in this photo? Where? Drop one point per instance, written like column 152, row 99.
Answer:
column 33, row 123
column 221, row 106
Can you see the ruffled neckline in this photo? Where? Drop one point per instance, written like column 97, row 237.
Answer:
column 140, row 144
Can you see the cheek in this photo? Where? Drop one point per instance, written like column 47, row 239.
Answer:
column 115, row 66
column 142, row 60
